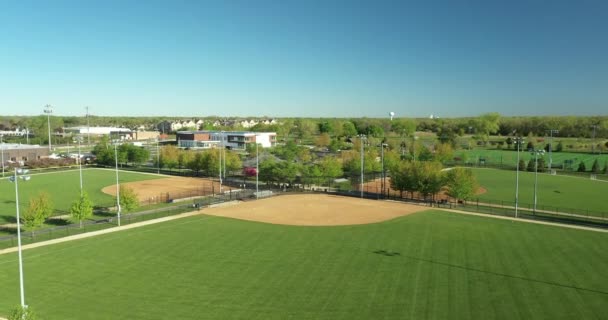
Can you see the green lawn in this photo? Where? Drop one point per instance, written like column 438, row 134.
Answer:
column 63, row 187
column 509, row 157
column 430, row 265
column 574, row 193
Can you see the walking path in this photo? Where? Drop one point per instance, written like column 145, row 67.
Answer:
column 104, row 231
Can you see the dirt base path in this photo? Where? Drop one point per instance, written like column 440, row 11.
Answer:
column 316, row 210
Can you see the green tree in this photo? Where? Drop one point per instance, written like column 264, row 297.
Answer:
column 128, row 198
column 348, row 129
column 605, row 171
column 81, row 208
column 443, row 152
column 461, row 183
column 233, row 162
column 331, row 168
column 430, row 178
column 169, row 156
column 595, row 168
column 40, row 208
column 531, row 165
column 487, row 124
column 312, row 175
column 522, row 164
column 323, row 140
column 20, row 313
column 582, row 167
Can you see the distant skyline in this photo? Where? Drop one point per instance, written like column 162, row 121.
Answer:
column 304, row 58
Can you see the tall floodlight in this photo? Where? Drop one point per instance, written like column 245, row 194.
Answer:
column 593, row 142
column 48, row 109
column 392, row 115
column 2, row 151
column 79, row 138
column 536, row 153
column 551, row 132
column 382, row 145
column 257, row 168
column 88, row 128
column 157, row 155
column 224, row 137
column 220, row 160
column 117, row 185
column 518, row 141
column 15, row 179
column 362, row 161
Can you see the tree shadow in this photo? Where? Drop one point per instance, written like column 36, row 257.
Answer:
column 547, row 282
column 58, row 222
column 387, row 253
column 10, row 230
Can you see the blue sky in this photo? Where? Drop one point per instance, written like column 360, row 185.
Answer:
column 304, row 58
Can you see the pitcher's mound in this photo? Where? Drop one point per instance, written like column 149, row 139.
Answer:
column 316, row 210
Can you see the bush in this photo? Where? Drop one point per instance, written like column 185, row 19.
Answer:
column 20, row 313
column 581, row 167
column 522, row 165
column 595, row 168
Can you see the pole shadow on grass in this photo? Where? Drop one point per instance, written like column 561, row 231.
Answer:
column 551, row 283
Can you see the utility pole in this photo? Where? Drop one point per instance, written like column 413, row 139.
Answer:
column 551, row 132
column 88, row 128
column 48, row 109
column 593, row 140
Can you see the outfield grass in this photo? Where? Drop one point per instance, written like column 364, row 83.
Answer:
column 63, row 188
column 574, row 193
column 430, row 265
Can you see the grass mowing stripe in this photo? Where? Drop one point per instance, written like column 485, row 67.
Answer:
column 223, row 268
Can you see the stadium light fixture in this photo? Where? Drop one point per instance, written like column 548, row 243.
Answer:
column 2, row 151
column 19, row 174
column 518, row 141
column 48, row 109
column 536, row 153
column 551, row 132
column 117, row 184
column 362, row 137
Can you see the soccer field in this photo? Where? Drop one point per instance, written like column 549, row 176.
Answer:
column 63, row 188
column 565, row 192
column 428, row 265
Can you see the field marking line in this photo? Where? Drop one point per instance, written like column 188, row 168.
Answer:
column 525, row 220
column 100, row 232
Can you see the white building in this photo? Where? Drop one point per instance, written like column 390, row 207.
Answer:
column 236, row 140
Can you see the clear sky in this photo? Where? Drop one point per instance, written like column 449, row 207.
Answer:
column 304, row 58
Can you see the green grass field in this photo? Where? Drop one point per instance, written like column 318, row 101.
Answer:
column 430, row 265
column 509, row 157
column 63, row 188
column 574, row 193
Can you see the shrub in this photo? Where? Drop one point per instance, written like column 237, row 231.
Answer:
column 581, row 167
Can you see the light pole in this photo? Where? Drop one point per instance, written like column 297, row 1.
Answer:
column 257, row 168
column 80, row 163
column 88, row 128
column 220, row 161
column 362, row 136
column 224, row 152
column 536, row 153
column 551, row 132
column 157, row 156
column 593, row 142
column 518, row 141
column 2, row 150
column 117, row 185
column 48, row 109
column 383, row 181
column 16, row 181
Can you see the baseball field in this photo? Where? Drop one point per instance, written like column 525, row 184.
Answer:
column 393, row 261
